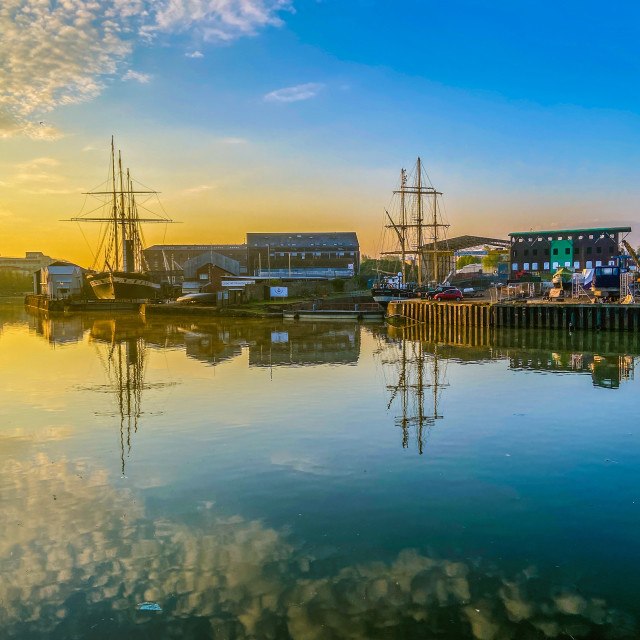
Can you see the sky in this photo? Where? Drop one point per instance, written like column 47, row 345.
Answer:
column 297, row 115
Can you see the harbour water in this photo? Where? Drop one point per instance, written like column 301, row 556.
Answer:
column 270, row 479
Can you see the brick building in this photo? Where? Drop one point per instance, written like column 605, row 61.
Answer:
column 303, row 255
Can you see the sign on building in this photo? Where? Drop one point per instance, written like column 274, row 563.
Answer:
column 279, row 292
column 237, row 283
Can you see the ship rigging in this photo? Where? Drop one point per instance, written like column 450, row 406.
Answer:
column 123, row 274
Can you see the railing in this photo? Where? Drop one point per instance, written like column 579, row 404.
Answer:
column 335, row 306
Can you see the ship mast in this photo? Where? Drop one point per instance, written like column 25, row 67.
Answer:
column 419, row 220
column 122, row 217
column 403, row 227
column 115, row 206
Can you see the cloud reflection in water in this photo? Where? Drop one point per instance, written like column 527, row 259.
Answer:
column 77, row 554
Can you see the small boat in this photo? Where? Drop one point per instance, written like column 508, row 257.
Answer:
column 200, row 298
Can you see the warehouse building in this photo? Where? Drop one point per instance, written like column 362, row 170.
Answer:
column 303, row 255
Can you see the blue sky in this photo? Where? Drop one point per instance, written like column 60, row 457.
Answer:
column 273, row 115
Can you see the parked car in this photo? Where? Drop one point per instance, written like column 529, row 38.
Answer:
column 430, row 294
column 449, row 294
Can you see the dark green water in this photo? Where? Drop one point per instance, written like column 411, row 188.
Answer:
column 258, row 479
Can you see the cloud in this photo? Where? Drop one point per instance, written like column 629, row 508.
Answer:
column 142, row 78
column 233, row 141
column 55, row 54
column 295, row 94
column 195, row 54
column 212, row 20
column 201, row 188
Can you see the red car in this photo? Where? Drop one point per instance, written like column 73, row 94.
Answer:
column 451, row 294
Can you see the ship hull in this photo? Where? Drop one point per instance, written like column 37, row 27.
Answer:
column 122, row 285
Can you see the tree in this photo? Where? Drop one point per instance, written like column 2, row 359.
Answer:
column 493, row 259
column 465, row 260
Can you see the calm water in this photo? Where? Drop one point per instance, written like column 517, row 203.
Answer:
column 259, row 479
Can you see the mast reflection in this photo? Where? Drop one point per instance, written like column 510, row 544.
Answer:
column 124, row 361
column 419, row 355
column 421, row 375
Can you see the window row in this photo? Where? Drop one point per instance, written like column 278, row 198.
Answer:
column 569, row 237
column 546, row 266
column 567, row 251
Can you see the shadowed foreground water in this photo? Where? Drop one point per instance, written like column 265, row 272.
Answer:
column 258, row 479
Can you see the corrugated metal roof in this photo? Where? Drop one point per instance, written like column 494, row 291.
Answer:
column 335, row 240
column 211, row 257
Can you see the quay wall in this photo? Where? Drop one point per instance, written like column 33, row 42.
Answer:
column 555, row 315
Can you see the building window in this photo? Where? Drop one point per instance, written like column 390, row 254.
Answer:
column 598, row 249
column 589, row 250
column 610, row 249
column 598, row 263
column 535, row 252
column 526, row 266
column 567, row 251
column 534, row 266
column 559, row 237
column 514, row 253
column 555, row 265
column 555, row 251
column 589, row 264
column 526, row 252
column 203, row 276
column 546, row 252
column 549, row 238
column 580, row 237
column 567, row 264
column 514, row 266
column 576, row 264
column 546, row 266
column 576, row 251
column 591, row 237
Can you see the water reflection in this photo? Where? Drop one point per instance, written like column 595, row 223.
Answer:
column 123, row 361
column 77, row 555
column 415, row 359
column 213, row 341
column 415, row 389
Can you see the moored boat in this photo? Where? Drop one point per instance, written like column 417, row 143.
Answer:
column 415, row 217
column 124, row 273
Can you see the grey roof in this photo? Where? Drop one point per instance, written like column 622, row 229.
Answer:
column 332, row 240
column 192, row 265
column 460, row 243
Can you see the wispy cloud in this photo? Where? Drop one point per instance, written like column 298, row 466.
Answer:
column 142, row 78
column 194, row 54
column 295, row 94
column 233, row 141
column 60, row 53
column 201, row 188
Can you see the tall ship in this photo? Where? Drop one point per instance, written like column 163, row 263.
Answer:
column 119, row 271
column 415, row 218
